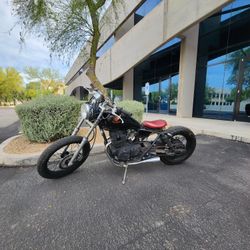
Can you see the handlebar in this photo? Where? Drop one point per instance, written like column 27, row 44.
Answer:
column 121, row 110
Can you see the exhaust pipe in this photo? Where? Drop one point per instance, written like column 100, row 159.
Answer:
column 155, row 159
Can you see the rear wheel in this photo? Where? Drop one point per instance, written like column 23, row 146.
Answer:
column 182, row 142
column 53, row 162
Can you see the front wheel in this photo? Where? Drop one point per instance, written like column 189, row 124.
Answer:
column 182, row 145
column 53, row 162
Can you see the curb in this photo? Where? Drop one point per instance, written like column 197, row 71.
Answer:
column 16, row 160
column 227, row 136
column 29, row 160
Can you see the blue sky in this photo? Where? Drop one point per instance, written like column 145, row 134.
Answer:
column 33, row 53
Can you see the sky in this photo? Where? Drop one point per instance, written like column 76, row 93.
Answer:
column 33, row 53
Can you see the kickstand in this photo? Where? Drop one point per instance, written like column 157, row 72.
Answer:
column 125, row 174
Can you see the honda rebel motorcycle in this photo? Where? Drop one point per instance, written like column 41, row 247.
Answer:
column 127, row 142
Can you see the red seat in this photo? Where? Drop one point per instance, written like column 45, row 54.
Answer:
column 157, row 124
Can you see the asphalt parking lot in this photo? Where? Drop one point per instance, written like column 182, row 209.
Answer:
column 201, row 204
column 9, row 123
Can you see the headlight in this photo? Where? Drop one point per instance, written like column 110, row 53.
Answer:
column 98, row 96
column 85, row 111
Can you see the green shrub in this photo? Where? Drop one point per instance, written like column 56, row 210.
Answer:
column 134, row 107
column 48, row 118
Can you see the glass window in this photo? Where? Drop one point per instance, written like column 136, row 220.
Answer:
column 147, row 7
column 160, row 69
column 174, row 93
column 234, row 9
column 154, row 97
column 169, row 44
column 106, row 46
column 144, row 9
column 245, row 91
column 220, row 59
column 220, row 88
column 224, row 40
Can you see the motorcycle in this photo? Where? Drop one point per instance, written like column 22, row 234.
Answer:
column 127, row 142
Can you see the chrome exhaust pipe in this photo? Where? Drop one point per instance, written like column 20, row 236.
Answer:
column 155, row 159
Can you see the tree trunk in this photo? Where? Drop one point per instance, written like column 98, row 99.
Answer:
column 95, row 82
column 91, row 72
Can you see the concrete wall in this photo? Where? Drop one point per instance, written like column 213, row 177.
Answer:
column 125, row 27
column 166, row 21
column 128, row 85
column 187, row 71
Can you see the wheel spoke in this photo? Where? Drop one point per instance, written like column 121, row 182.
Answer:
column 56, row 161
column 179, row 145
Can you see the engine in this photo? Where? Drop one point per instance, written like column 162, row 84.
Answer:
column 122, row 147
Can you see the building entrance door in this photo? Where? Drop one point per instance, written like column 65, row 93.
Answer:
column 164, row 97
column 168, row 94
column 168, row 89
column 242, row 99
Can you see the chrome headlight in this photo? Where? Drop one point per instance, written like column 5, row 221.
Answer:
column 85, row 111
column 98, row 96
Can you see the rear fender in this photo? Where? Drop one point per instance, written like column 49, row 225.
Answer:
column 166, row 134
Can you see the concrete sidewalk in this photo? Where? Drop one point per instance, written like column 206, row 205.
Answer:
column 238, row 131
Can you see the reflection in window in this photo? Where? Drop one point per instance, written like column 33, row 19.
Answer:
column 218, row 91
column 169, row 44
column 222, row 47
column 234, row 9
column 154, row 97
column 162, row 95
column 106, row 46
column 145, row 8
column 160, row 70
column 174, row 93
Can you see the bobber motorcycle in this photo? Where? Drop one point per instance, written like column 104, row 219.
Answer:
column 127, row 142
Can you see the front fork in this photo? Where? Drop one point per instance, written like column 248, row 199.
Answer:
column 76, row 130
column 85, row 139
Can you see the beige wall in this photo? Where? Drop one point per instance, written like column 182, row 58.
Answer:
column 168, row 20
column 110, row 22
column 125, row 27
column 128, row 85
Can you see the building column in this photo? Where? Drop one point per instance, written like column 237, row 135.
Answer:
column 128, row 85
column 187, row 72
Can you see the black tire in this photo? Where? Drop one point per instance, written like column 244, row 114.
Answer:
column 190, row 145
column 42, row 164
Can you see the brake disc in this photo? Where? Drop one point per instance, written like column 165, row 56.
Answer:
column 63, row 164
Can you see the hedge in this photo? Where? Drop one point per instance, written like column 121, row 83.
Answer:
column 48, row 118
column 134, row 107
